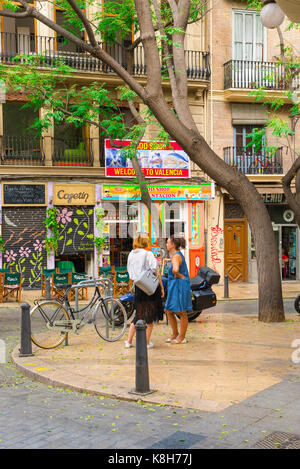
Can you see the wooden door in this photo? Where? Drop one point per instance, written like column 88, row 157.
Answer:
column 236, row 257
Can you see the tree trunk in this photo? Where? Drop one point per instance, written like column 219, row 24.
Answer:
column 245, row 193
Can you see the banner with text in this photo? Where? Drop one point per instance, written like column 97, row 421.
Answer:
column 155, row 158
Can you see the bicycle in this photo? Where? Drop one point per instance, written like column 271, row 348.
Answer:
column 52, row 320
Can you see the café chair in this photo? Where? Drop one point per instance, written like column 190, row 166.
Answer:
column 122, row 283
column 45, row 273
column 12, row 286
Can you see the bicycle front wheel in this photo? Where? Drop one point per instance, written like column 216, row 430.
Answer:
column 110, row 319
column 43, row 315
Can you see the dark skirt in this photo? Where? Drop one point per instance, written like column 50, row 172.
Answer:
column 149, row 308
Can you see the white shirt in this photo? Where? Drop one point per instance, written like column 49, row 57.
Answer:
column 136, row 260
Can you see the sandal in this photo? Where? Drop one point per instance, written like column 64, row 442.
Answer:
column 176, row 341
column 169, row 340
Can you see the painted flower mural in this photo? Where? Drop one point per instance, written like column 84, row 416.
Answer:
column 23, row 233
column 64, row 216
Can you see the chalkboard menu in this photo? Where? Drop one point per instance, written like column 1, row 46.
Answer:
column 24, row 194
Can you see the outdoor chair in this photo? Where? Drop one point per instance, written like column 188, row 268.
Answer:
column 66, row 266
column 58, row 280
column 12, row 286
column 46, row 273
column 5, row 270
column 122, row 283
column 82, row 292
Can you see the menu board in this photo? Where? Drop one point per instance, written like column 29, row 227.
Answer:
column 24, row 194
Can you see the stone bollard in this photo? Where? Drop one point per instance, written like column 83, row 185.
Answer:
column 141, row 367
column 226, row 287
column 26, row 347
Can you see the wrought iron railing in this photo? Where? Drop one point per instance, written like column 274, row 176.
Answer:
column 53, row 48
column 77, row 152
column 21, row 150
column 251, row 162
column 249, row 74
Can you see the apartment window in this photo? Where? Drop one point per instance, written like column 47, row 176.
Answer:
column 248, row 36
column 240, row 134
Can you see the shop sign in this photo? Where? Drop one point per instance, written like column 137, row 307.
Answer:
column 205, row 191
column 155, row 158
column 73, row 194
column 23, row 194
column 274, row 198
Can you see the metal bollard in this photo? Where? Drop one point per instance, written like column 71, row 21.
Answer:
column 26, row 347
column 226, row 287
column 141, row 367
column 48, row 288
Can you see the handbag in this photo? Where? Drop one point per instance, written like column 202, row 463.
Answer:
column 148, row 280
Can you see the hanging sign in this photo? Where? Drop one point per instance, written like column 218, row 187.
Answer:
column 155, row 159
column 205, row 191
column 73, row 194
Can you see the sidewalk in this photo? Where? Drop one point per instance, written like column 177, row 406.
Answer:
column 237, row 291
column 228, row 359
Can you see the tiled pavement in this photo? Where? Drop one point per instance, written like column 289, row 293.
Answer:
column 33, row 415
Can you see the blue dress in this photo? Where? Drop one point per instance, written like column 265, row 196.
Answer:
column 179, row 290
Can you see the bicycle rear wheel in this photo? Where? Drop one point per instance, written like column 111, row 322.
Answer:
column 43, row 334
column 110, row 319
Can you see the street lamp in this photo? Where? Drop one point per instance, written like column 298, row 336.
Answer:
column 271, row 15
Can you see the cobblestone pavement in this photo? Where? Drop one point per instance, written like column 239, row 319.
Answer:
column 33, row 415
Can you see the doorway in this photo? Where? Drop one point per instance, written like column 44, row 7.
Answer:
column 236, row 256
column 286, row 238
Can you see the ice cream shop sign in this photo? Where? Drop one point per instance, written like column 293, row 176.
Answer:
column 155, row 158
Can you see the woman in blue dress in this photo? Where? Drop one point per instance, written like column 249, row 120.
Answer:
column 179, row 299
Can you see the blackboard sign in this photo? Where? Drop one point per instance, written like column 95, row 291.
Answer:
column 24, row 194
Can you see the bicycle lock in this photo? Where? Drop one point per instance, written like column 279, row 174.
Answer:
column 142, row 387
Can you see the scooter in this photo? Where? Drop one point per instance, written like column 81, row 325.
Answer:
column 297, row 304
column 203, row 296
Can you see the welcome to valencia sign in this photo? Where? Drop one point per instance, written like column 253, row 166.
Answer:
column 155, row 158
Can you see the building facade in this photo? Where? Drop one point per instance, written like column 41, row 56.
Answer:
column 228, row 54
column 65, row 168
column 243, row 58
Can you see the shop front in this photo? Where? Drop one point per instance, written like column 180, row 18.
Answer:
column 180, row 208
column 286, row 233
column 23, row 230
column 75, row 216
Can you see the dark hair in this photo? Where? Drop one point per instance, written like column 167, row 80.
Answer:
column 178, row 241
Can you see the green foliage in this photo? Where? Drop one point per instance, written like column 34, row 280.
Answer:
column 2, row 244
column 100, row 240
column 51, row 224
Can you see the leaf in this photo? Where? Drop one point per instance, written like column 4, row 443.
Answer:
column 17, row 268
column 81, row 233
column 23, row 260
column 31, row 262
column 60, row 238
column 85, row 224
column 34, row 256
column 90, row 212
column 90, row 236
column 75, row 221
column 69, row 230
column 79, row 212
column 69, row 242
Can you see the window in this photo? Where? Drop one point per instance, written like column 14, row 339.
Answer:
column 241, row 132
column 248, row 36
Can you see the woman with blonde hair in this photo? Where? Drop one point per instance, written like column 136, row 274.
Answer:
column 148, row 308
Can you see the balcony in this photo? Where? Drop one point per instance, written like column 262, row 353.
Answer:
column 54, row 48
column 250, row 162
column 72, row 152
column 19, row 150
column 249, row 75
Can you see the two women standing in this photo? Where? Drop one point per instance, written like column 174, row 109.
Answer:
column 178, row 301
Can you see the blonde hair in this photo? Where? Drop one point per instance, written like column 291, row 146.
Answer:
column 141, row 241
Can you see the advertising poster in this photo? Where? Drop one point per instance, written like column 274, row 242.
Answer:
column 156, row 160
column 205, row 191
